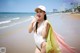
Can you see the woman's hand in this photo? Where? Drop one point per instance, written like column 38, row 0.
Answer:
column 34, row 20
column 32, row 24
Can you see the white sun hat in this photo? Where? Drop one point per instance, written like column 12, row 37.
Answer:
column 41, row 7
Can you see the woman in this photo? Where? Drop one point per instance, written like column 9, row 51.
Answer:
column 46, row 40
column 37, row 25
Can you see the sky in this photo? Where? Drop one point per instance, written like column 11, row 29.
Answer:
column 30, row 5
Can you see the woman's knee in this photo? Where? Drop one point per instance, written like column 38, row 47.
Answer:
column 43, row 48
column 43, row 45
column 37, row 50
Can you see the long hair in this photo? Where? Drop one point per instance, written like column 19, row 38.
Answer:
column 45, row 18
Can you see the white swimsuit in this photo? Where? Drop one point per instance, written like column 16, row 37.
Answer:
column 38, row 36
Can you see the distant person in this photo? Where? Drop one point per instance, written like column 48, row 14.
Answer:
column 46, row 39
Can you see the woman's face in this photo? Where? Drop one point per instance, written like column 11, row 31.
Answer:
column 40, row 15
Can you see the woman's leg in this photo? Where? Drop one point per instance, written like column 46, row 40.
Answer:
column 43, row 47
column 37, row 50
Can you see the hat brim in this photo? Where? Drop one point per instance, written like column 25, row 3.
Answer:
column 37, row 9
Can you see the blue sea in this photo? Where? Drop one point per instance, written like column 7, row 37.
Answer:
column 10, row 18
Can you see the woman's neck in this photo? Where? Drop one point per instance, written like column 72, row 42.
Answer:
column 39, row 22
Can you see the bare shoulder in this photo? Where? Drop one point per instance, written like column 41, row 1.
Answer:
column 47, row 23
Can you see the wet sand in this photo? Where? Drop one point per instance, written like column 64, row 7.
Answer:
column 16, row 38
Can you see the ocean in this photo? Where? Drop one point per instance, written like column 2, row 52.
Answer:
column 10, row 18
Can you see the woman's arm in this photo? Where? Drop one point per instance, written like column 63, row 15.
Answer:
column 46, row 29
column 31, row 26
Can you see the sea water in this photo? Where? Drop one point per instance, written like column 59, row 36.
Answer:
column 10, row 18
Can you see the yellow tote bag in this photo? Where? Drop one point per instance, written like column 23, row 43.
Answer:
column 52, row 45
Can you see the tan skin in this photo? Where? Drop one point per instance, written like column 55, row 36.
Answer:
column 40, row 18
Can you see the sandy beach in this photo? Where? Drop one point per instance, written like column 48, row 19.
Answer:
column 16, row 38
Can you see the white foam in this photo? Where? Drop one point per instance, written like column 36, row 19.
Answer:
column 16, row 18
column 16, row 23
column 5, row 21
column 32, row 16
column 8, row 21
